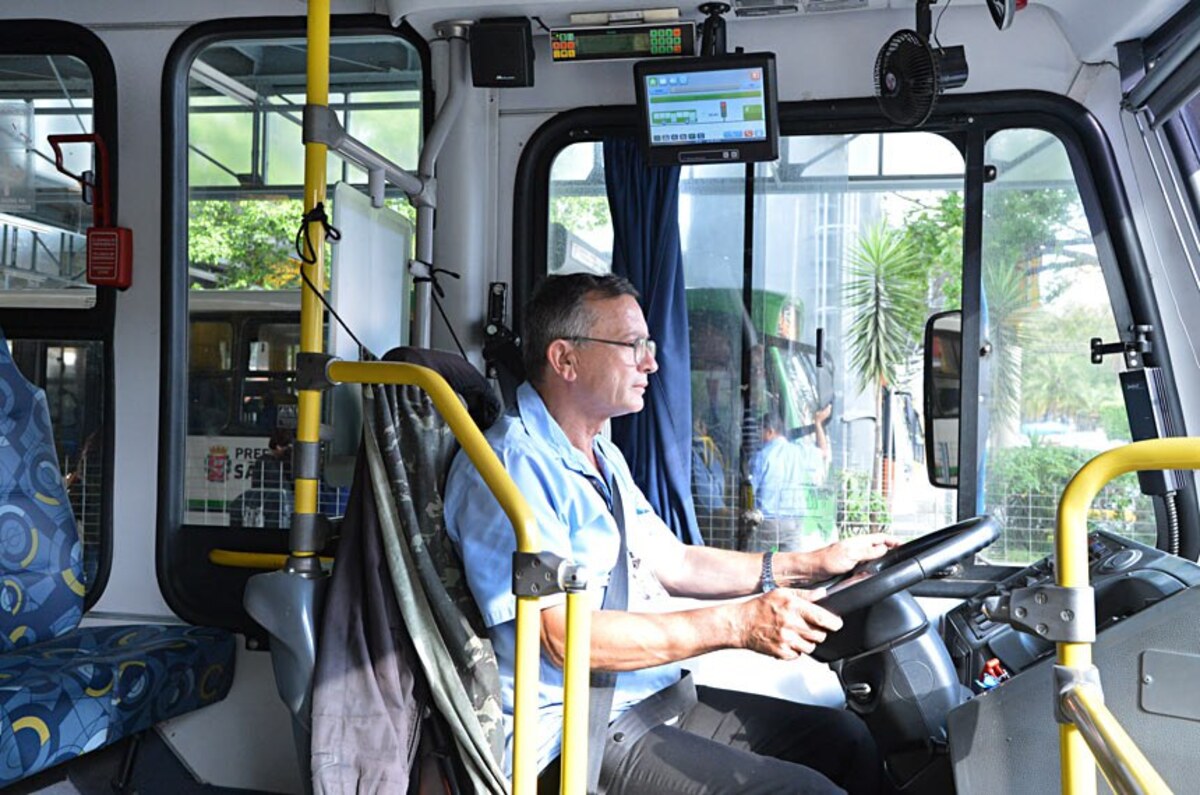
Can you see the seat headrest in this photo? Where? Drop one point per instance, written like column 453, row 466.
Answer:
column 482, row 403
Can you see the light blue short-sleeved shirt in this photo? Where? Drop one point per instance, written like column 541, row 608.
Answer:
column 782, row 473
column 570, row 504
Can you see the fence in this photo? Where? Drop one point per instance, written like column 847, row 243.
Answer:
column 1028, row 520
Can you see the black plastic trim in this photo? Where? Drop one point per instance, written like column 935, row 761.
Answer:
column 1101, row 189
column 54, row 37
column 195, row 589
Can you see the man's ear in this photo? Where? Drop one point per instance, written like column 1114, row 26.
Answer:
column 561, row 356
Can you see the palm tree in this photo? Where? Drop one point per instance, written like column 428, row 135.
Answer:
column 884, row 295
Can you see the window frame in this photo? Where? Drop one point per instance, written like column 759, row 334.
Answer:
column 194, row 588
column 967, row 119
column 48, row 37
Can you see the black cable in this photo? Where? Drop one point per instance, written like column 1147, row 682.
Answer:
column 304, row 246
column 938, row 24
column 307, row 254
column 541, row 24
column 438, row 292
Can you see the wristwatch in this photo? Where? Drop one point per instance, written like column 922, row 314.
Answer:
column 768, row 573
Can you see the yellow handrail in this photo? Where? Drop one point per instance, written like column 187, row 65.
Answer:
column 576, row 681
column 1071, row 566
column 498, row 481
column 267, row 561
column 308, row 421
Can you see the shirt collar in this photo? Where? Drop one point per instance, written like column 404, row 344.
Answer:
column 542, row 426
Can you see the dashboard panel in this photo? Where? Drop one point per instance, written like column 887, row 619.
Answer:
column 1127, row 578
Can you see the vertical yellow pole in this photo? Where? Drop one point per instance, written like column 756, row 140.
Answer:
column 525, row 705
column 576, row 674
column 1078, row 768
column 311, row 312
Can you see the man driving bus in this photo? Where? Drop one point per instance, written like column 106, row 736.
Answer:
column 588, row 359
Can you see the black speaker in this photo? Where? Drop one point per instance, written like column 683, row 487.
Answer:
column 502, row 53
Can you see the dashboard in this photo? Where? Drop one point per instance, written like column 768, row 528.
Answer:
column 1127, row 577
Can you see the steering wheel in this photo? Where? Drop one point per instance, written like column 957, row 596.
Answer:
column 906, row 565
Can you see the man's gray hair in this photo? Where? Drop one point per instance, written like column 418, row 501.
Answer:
column 558, row 310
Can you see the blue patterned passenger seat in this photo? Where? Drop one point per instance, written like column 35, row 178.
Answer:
column 65, row 689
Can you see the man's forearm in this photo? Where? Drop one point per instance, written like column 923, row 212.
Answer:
column 622, row 641
column 784, row 623
column 712, row 573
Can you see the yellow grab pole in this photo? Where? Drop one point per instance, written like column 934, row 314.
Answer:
column 501, row 485
column 576, row 681
column 1071, row 566
column 308, row 424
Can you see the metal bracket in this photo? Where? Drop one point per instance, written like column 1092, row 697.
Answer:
column 1067, row 679
column 321, row 126
column 544, row 573
column 1134, row 352
column 310, row 531
column 306, row 460
column 312, row 371
column 1061, row 615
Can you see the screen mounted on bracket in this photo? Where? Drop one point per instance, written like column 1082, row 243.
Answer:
column 719, row 109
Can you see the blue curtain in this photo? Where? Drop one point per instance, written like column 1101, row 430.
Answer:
column 657, row 440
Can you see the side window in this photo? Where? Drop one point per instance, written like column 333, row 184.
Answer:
column 58, row 327
column 245, row 179
column 1049, row 408
column 42, row 214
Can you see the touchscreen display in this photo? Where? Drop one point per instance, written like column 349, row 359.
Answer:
column 719, row 106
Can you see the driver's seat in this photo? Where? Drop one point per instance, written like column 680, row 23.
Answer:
column 403, row 653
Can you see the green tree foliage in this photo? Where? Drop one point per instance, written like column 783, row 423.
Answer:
column 884, row 294
column 885, row 297
column 246, row 243
column 1008, row 309
column 935, row 232
column 1021, row 224
column 580, row 213
column 1056, row 354
column 1025, row 484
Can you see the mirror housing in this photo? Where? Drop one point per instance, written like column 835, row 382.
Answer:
column 943, row 396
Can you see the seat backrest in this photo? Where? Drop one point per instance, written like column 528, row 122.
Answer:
column 417, row 448
column 403, row 653
column 41, row 557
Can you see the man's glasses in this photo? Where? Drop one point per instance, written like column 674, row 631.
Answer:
column 643, row 347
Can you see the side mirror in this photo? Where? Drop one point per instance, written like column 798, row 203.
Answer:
column 943, row 396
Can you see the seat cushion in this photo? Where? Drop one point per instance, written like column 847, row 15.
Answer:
column 76, row 693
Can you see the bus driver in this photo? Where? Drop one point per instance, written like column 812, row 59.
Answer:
column 588, row 359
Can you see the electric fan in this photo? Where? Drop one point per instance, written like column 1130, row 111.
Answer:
column 910, row 74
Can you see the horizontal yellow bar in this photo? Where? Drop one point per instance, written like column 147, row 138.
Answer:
column 252, row 560
column 1119, row 758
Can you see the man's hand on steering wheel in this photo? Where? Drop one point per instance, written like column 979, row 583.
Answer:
column 784, row 623
column 837, row 558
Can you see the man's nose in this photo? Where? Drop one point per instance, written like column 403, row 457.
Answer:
column 649, row 364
